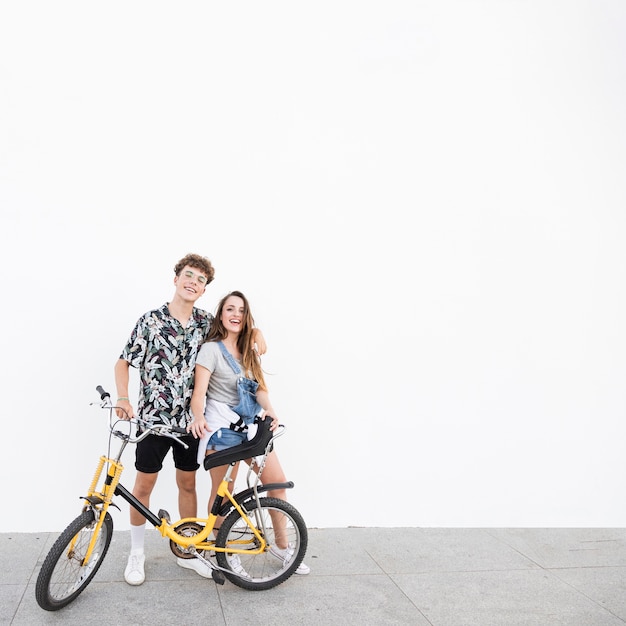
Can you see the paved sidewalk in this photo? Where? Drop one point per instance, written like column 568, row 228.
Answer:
column 360, row 576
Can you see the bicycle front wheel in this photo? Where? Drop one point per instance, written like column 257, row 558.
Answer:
column 64, row 574
column 283, row 529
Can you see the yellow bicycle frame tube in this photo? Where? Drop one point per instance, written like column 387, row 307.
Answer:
column 167, row 529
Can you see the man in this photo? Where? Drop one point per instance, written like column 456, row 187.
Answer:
column 163, row 346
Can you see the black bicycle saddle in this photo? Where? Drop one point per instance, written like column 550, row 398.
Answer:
column 245, row 450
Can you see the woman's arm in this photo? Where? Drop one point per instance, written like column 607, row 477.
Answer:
column 198, row 398
column 263, row 398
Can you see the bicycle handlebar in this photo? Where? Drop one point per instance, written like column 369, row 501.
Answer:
column 162, row 430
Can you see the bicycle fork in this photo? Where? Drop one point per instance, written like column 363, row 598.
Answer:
column 99, row 502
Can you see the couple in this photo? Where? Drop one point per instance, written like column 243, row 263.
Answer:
column 171, row 346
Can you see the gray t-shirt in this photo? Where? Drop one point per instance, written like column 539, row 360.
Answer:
column 223, row 381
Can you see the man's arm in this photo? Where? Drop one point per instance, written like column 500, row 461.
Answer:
column 125, row 410
column 258, row 339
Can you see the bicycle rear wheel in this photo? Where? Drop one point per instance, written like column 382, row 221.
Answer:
column 286, row 536
column 63, row 574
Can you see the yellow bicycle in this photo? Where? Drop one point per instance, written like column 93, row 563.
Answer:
column 242, row 550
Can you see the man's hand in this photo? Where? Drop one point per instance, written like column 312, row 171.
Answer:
column 124, row 409
column 258, row 341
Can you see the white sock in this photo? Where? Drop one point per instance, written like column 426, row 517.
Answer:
column 137, row 534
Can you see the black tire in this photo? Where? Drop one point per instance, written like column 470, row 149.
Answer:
column 63, row 576
column 262, row 571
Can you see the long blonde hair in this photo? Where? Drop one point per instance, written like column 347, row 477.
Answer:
column 249, row 358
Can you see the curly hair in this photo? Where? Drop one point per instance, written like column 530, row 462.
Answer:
column 198, row 262
column 245, row 341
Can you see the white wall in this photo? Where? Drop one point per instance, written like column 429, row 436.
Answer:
column 424, row 201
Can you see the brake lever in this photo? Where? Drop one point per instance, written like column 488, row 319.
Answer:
column 165, row 431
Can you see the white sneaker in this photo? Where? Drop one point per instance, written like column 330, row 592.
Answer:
column 134, row 573
column 285, row 554
column 197, row 566
column 236, row 566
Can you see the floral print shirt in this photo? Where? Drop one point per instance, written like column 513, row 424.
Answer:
column 165, row 354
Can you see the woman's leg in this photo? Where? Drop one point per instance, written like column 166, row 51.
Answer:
column 217, row 474
column 273, row 473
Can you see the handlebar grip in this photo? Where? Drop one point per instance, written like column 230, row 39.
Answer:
column 178, row 429
column 103, row 394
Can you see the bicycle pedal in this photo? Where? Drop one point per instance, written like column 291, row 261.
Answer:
column 218, row 577
column 164, row 514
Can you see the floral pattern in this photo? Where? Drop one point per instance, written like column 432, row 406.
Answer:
column 165, row 354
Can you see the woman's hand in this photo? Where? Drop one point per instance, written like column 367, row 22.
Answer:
column 274, row 425
column 197, row 428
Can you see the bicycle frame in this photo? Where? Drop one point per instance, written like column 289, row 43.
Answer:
column 260, row 544
column 100, row 500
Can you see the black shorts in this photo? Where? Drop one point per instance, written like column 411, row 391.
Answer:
column 150, row 452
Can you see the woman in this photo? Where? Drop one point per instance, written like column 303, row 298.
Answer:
column 215, row 393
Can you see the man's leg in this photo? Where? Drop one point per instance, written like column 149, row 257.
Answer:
column 134, row 573
column 188, row 507
column 187, row 498
column 144, row 485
